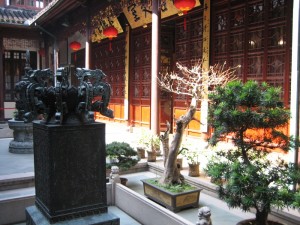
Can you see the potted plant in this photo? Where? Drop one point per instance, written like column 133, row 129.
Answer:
column 149, row 142
column 153, row 148
column 246, row 177
column 155, row 144
column 121, row 154
column 191, row 83
column 142, row 143
column 192, row 160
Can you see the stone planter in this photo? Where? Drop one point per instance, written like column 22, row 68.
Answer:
column 23, row 137
column 172, row 201
column 194, row 170
column 252, row 222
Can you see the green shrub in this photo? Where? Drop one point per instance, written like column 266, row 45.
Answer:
column 121, row 154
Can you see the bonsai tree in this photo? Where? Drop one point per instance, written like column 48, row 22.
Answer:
column 194, row 83
column 246, row 177
column 123, row 155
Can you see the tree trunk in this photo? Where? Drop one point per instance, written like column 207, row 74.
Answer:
column 165, row 142
column 261, row 217
column 172, row 173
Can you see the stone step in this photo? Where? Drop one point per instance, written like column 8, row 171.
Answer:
column 13, row 204
column 16, row 181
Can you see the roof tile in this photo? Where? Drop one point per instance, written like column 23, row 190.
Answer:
column 15, row 16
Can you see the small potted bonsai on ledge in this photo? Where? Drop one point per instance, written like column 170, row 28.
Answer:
column 121, row 154
column 150, row 143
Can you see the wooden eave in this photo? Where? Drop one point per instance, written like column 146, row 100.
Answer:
column 55, row 11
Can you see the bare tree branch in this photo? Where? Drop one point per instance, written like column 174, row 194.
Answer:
column 195, row 82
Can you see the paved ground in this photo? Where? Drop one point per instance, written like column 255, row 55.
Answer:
column 23, row 163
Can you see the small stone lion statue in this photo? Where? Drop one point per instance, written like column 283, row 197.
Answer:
column 204, row 216
column 114, row 175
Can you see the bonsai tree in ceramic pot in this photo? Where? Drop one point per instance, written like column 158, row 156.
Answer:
column 121, row 155
column 194, row 83
column 246, row 177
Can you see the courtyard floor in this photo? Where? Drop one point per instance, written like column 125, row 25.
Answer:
column 20, row 164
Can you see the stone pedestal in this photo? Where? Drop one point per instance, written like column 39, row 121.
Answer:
column 70, row 175
column 23, row 138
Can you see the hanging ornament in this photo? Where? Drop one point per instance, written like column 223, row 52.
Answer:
column 110, row 32
column 184, row 6
column 75, row 46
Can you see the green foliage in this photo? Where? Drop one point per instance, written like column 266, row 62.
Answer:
column 296, row 202
column 174, row 188
column 238, row 107
column 245, row 176
column 190, row 151
column 123, row 155
column 261, row 184
column 190, row 155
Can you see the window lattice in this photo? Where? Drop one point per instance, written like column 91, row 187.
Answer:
column 256, row 35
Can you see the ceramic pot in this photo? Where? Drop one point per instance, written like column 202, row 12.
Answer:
column 194, row 170
column 151, row 156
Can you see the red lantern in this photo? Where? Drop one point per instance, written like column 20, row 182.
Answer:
column 110, row 32
column 74, row 45
column 42, row 52
column 184, row 6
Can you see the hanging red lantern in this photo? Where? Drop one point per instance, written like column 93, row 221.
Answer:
column 110, row 32
column 75, row 46
column 42, row 52
column 184, row 6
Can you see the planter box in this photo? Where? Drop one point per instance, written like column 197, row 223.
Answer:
column 172, row 201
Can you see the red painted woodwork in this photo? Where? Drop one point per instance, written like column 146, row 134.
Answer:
column 257, row 36
column 112, row 63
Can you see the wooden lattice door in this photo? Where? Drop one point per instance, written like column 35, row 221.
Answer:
column 112, row 63
column 257, row 36
column 140, row 80
column 188, row 51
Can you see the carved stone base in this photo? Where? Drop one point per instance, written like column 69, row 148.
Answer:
column 70, row 178
column 23, row 138
column 35, row 217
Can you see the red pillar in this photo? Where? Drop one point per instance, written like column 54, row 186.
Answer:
column 155, row 66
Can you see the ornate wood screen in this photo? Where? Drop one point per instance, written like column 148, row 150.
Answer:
column 188, row 50
column 140, row 77
column 14, row 65
column 255, row 34
column 112, row 63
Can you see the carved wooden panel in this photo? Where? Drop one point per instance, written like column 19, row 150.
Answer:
column 140, row 80
column 112, row 63
column 188, row 50
column 257, row 36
